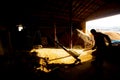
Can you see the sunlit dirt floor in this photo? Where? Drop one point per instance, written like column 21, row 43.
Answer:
column 60, row 56
column 56, row 55
column 67, row 71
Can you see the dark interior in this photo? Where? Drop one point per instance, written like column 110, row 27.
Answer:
column 45, row 21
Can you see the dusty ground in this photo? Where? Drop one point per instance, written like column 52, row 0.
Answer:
column 64, row 69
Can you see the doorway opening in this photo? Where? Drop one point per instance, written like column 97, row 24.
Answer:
column 108, row 25
column 111, row 23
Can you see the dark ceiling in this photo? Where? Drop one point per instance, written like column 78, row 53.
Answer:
column 48, row 12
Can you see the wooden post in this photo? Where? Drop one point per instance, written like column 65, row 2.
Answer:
column 9, row 42
column 83, row 25
column 70, row 19
column 55, row 37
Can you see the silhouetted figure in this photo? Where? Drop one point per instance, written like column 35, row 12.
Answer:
column 102, row 41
